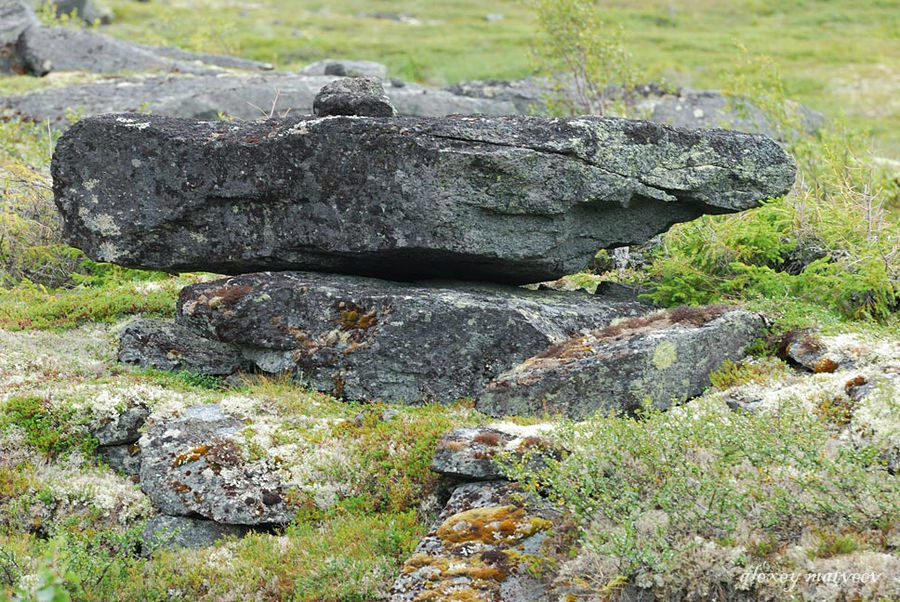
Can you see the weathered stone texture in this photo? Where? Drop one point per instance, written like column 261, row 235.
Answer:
column 514, row 199
column 370, row 339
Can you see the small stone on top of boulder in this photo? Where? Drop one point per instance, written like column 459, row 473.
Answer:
column 363, row 96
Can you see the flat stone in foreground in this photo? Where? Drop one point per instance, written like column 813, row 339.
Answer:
column 510, row 199
column 367, row 339
column 663, row 358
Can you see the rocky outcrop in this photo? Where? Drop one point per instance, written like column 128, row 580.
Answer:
column 491, row 542
column 83, row 9
column 661, row 358
column 369, row 339
column 242, row 96
column 163, row 345
column 515, row 199
column 191, row 465
column 483, row 453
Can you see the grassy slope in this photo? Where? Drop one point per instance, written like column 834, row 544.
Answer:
column 836, row 55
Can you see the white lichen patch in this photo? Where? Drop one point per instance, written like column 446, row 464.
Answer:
column 76, row 483
column 108, row 252
column 133, row 123
column 103, row 224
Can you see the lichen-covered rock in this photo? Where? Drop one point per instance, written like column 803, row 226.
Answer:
column 490, row 543
column 480, row 453
column 662, row 358
column 363, row 96
column 164, row 345
column 181, row 531
column 193, row 465
column 514, row 199
column 367, row 339
column 809, row 351
column 123, row 427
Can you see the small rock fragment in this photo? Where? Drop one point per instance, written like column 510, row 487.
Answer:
column 362, row 96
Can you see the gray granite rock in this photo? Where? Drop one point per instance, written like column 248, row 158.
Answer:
column 370, row 339
column 192, row 465
column 662, row 358
column 481, row 453
column 363, row 96
column 510, row 199
column 181, row 531
column 163, row 345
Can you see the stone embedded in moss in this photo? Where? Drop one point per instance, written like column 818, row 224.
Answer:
column 664, row 358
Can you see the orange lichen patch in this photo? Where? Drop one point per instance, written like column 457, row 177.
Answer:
column 458, row 578
column 451, row 593
column 355, row 317
column 856, row 381
column 490, row 525
column 491, row 439
column 586, row 345
column 190, row 456
column 226, row 295
column 825, row 364
column 224, row 453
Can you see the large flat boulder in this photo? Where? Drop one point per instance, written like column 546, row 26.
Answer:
column 44, row 49
column 367, row 339
column 509, row 199
column 661, row 358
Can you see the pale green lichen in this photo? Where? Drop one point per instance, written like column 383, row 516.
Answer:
column 664, row 355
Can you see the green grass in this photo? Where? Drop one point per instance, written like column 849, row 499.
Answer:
column 837, row 56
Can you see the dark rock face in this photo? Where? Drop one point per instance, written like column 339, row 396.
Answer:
column 477, row 453
column 191, row 465
column 181, row 531
column 363, row 96
column 166, row 346
column 482, row 546
column 664, row 358
column 514, row 199
column 123, row 458
column 368, row 339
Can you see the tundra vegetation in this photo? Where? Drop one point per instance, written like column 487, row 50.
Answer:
column 662, row 499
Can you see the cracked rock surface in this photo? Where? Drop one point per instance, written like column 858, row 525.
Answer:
column 509, row 199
